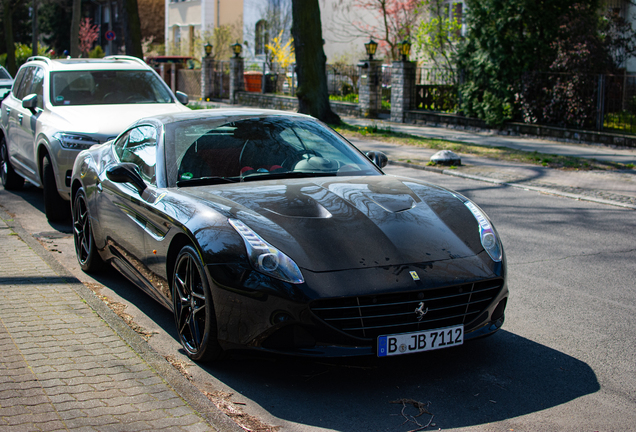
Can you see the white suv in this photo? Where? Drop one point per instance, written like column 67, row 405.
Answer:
column 58, row 108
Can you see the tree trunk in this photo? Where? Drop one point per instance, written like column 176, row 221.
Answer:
column 133, row 29
column 75, row 25
column 7, row 18
column 312, row 92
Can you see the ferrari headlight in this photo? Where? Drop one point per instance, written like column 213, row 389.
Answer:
column 75, row 141
column 489, row 239
column 266, row 258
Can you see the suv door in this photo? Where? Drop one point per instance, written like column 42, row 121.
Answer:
column 10, row 119
column 19, row 130
column 30, row 117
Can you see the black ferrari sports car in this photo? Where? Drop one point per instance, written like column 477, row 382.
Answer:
column 267, row 230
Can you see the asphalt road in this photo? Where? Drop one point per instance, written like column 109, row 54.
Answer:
column 565, row 359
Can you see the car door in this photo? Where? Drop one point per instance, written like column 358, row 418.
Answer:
column 14, row 112
column 123, row 210
column 29, row 119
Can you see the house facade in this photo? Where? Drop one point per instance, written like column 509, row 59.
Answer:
column 187, row 20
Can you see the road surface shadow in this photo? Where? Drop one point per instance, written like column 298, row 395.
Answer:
column 483, row 381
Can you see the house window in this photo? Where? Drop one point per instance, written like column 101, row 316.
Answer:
column 262, row 37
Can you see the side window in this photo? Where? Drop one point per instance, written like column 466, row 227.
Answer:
column 139, row 146
column 37, row 86
column 25, row 84
column 17, row 81
column 120, row 144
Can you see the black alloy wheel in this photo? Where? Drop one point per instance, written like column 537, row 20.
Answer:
column 85, row 250
column 56, row 208
column 10, row 179
column 193, row 309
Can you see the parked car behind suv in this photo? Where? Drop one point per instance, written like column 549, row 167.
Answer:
column 57, row 108
column 5, row 82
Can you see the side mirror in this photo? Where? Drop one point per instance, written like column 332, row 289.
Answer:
column 378, row 158
column 126, row 173
column 182, row 97
column 30, row 102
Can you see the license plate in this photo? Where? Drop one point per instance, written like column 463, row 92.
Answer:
column 407, row 343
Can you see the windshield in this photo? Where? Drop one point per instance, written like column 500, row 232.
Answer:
column 4, row 74
column 108, row 87
column 213, row 151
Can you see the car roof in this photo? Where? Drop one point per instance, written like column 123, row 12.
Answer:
column 82, row 64
column 219, row 113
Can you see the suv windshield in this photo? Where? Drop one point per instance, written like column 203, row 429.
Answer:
column 107, row 87
column 261, row 148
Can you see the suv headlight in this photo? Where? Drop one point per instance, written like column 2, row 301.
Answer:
column 489, row 239
column 75, row 141
column 265, row 258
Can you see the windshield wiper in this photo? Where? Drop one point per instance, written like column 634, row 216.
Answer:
column 288, row 174
column 202, row 181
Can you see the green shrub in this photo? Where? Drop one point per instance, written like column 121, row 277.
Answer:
column 96, row 52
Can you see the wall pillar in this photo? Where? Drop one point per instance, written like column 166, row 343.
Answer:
column 236, row 78
column 206, row 78
column 402, row 89
column 370, row 88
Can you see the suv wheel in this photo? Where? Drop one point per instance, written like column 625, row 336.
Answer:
column 10, row 179
column 55, row 207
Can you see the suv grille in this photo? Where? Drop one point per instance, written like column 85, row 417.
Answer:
column 374, row 315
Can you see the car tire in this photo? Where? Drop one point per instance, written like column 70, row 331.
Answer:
column 85, row 249
column 10, row 180
column 193, row 308
column 56, row 208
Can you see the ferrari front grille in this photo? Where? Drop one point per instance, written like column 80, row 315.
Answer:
column 369, row 316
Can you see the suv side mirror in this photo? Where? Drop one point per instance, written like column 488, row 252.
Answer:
column 182, row 97
column 30, row 101
column 126, row 173
column 378, row 158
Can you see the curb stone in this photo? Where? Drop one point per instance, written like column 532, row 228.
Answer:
column 192, row 396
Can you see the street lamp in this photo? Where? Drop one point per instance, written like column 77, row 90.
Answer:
column 405, row 49
column 371, row 47
column 208, row 49
column 236, row 49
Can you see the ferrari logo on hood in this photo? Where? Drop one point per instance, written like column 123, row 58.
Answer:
column 415, row 276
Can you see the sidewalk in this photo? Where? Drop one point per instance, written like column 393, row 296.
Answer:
column 68, row 362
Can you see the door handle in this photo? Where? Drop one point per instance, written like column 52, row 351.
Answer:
column 20, row 118
column 99, row 186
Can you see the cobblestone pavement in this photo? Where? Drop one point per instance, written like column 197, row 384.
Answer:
column 62, row 367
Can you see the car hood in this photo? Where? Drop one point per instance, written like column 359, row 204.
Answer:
column 351, row 222
column 106, row 120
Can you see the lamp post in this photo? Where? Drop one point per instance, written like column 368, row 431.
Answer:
column 371, row 47
column 405, row 49
column 208, row 49
column 237, row 48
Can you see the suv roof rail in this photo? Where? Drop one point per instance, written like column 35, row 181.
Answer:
column 41, row 58
column 125, row 57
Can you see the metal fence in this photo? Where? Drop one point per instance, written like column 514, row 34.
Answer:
column 270, row 78
column 583, row 101
column 436, row 89
column 578, row 101
column 189, row 82
column 342, row 80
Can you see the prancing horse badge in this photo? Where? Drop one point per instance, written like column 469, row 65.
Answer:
column 415, row 276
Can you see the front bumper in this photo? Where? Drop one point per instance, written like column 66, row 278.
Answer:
column 269, row 315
